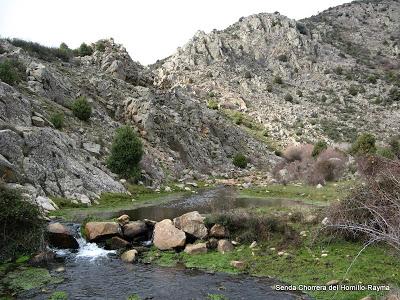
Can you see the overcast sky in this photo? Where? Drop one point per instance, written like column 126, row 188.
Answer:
column 149, row 29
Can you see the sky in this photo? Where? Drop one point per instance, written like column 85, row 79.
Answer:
column 149, row 29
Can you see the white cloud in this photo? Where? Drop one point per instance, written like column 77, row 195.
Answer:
column 150, row 30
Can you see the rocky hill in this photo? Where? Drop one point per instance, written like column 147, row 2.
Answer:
column 252, row 88
column 326, row 77
column 182, row 139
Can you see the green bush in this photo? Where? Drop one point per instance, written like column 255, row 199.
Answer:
column 288, row 98
column 212, row 104
column 318, row 148
column 126, row 153
column 240, row 161
column 101, row 46
column 21, row 225
column 43, row 52
column 372, row 79
column 82, row 109
column 11, row 71
column 386, row 153
column 283, row 58
column 85, row 50
column 365, row 144
column 353, row 90
column 394, row 95
column 57, row 120
column 247, row 75
column 395, row 146
column 278, row 80
column 59, row 295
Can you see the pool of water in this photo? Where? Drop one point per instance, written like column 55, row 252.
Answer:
column 206, row 201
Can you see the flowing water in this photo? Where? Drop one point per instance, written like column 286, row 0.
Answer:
column 95, row 273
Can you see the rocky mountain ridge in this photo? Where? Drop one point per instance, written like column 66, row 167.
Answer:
column 253, row 88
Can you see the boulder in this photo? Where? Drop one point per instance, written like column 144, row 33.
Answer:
column 42, row 259
column 122, row 220
column 224, row 246
column 59, row 236
column 196, row 248
column 132, row 230
column 238, row 264
column 116, row 243
column 46, row 203
column 38, row 121
column 101, row 230
column 193, row 224
column 92, row 148
column 129, row 256
column 219, row 231
column 212, row 243
column 167, row 236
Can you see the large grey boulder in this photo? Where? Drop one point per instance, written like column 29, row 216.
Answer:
column 192, row 223
column 134, row 229
column 167, row 236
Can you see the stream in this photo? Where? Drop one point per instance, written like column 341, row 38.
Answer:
column 95, row 273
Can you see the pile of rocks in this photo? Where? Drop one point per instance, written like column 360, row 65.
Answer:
column 187, row 232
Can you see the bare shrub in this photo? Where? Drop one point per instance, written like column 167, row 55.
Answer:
column 329, row 166
column 372, row 210
column 248, row 227
column 298, row 152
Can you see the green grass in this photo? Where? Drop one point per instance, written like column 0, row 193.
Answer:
column 304, row 265
column 59, row 295
column 27, row 278
column 305, row 193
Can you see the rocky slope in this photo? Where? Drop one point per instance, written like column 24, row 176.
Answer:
column 327, row 77
column 258, row 85
column 182, row 139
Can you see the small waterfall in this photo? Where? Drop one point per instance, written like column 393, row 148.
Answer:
column 86, row 251
column 91, row 251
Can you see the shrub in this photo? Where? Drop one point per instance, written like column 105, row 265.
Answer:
column 318, row 148
column 365, row 144
column 57, row 120
column 395, row 146
column 85, row 50
column 247, row 227
column 278, row 80
column 82, row 109
column 372, row 79
column 283, row 58
column 212, row 104
column 269, row 88
column 386, row 153
column 301, row 28
column 372, row 210
column 298, row 152
column 288, row 98
column 12, row 71
column 101, row 46
column 353, row 90
column 240, row 161
column 247, row 75
column 21, row 225
column 126, row 153
column 299, row 93
column 394, row 95
column 43, row 52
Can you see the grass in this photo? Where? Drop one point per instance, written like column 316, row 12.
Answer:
column 304, row 265
column 306, row 193
column 26, row 278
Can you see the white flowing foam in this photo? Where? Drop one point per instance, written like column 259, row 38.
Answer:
column 91, row 250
